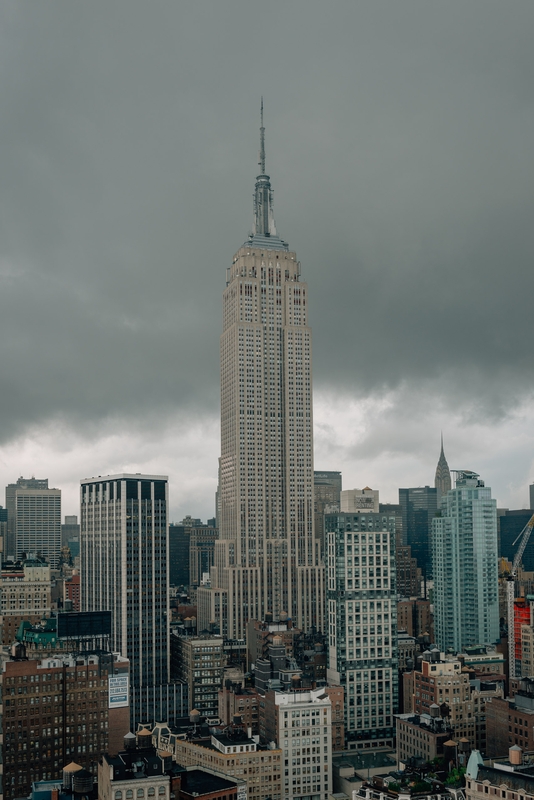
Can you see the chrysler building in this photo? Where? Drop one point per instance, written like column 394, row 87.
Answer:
column 267, row 560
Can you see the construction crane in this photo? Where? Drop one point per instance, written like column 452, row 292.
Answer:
column 510, row 589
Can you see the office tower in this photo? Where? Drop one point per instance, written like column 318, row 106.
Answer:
column 3, row 530
column 408, row 573
column 124, row 568
column 58, row 710
column 266, row 559
column 419, row 506
column 34, row 520
column 464, row 555
column 179, row 540
column 201, row 552
column 362, row 623
column 326, row 492
column 442, row 481
column 70, row 529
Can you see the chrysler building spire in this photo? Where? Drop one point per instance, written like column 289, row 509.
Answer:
column 442, row 481
column 264, row 228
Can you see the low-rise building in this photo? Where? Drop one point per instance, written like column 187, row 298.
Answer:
column 421, row 735
column 510, row 721
column 140, row 772
column 507, row 778
column 441, row 681
column 231, row 752
column 236, row 700
column 55, row 710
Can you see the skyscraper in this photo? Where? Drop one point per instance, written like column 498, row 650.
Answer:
column 442, row 481
column 124, row 569
column 464, row 556
column 34, row 520
column 419, row 505
column 266, row 559
column 362, row 622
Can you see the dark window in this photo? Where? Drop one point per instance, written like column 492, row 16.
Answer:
column 145, row 490
column 159, row 490
column 132, row 491
column 111, row 490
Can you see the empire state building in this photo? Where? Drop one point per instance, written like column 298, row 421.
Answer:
column 267, row 560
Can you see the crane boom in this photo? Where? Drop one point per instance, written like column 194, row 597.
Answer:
column 525, row 536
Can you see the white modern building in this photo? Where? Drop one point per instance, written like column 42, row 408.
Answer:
column 362, row 623
column 267, row 559
column 464, row 560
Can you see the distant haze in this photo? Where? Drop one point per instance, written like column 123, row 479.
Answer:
column 399, row 144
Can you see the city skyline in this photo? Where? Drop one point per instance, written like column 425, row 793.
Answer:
column 402, row 154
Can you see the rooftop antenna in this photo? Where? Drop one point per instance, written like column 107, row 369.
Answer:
column 261, row 162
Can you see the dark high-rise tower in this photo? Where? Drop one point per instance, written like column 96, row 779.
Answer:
column 266, row 559
column 125, row 569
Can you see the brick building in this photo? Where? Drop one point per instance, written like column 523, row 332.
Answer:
column 511, row 721
column 57, row 710
column 71, row 590
column 237, row 700
column 414, row 616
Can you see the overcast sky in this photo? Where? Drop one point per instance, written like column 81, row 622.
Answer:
column 399, row 144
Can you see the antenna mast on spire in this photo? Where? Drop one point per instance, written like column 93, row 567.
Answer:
column 261, row 162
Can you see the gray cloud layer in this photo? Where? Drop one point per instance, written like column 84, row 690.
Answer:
column 399, row 141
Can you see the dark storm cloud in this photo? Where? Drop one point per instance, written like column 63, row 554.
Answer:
column 399, row 141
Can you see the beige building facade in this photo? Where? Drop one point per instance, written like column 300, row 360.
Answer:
column 267, row 559
column 241, row 758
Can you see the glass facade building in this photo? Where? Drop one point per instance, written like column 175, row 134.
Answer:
column 124, row 569
column 464, row 553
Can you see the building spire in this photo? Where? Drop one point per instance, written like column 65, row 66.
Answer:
column 261, row 162
column 442, row 481
column 263, row 195
column 263, row 229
